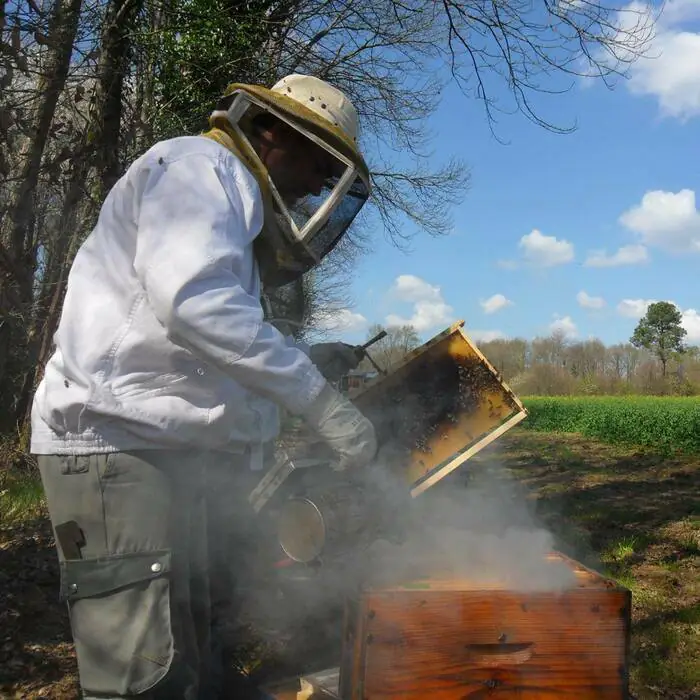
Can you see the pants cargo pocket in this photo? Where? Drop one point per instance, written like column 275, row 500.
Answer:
column 121, row 621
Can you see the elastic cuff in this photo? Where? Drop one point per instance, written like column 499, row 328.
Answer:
column 323, row 402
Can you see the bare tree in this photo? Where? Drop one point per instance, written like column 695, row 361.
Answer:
column 85, row 85
column 18, row 244
column 541, row 48
column 115, row 50
column 388, row 55
column 396, row 344
column 509, row 357
column 550, row 350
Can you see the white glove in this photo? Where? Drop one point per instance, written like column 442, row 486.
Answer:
column 334, row 359
column 343, row 427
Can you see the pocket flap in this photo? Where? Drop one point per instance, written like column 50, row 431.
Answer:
column 84, row 578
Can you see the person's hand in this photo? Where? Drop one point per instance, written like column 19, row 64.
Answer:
column 343, row 428
column 335, row 359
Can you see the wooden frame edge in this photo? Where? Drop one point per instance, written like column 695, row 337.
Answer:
column 468, row 453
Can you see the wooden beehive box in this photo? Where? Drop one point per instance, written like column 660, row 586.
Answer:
column 443, row 403
column 443, row 639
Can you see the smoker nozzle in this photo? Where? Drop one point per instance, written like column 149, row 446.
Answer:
column 362, row 353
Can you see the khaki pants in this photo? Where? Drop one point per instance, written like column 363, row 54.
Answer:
column 166, row 543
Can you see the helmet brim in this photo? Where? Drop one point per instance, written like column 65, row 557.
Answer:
column 308, row 120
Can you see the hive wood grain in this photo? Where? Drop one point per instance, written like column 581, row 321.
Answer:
column 452, row 639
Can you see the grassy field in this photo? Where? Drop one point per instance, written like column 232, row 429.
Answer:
column 630, row 511
column 667, row 424
column 633, row 499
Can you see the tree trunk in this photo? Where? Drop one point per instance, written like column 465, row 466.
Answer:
column 18, row 236
column 116, row 48
column 145, row 107
column 101, row 153
column 70, row 229
column 19, row 240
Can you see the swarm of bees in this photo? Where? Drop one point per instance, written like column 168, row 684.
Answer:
column 415, row 408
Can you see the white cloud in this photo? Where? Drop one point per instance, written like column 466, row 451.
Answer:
column 588, row 302
column 634, row 308
column 668, row 220
column 565, row 5
column 679, row 11
column 495, row 303
column 691, row 323
column 508, row 264
column 426, row 315
column 546, row 251
column 670, row 71
column 343, row 320
column 627, row 255
column 565, row 325
column 480, row 336
column 412, row 288
column 429, row 308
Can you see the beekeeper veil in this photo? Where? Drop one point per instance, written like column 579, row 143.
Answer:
column 299, row 232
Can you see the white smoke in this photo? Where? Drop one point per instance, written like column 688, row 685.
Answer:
column 479, row 530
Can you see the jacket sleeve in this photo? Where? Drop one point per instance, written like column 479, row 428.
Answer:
column 197, row 219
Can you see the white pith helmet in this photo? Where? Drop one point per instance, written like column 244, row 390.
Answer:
column 323, row 99
column 296, row 237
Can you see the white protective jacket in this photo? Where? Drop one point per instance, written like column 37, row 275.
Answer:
column 162, row 342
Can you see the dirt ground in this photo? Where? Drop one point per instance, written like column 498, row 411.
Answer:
column 630, row 512
column 636, row 517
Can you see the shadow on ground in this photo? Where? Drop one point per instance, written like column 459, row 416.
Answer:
column 630, row 513
column 613, row 493
column 36, row 658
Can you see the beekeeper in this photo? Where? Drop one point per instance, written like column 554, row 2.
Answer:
column 160, row 403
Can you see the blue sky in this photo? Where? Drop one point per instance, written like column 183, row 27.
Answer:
column 576, row 231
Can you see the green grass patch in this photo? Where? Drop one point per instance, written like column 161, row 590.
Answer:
column 21, row 496
column 666, row 660
column 616, row 559
column 666, row 424
column 689, row 546
column 624, row 578
column 623, row 550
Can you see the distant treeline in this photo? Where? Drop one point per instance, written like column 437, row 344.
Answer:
column 553, row 366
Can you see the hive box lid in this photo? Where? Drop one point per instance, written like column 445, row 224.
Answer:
column 558, row 573
column 440, row 405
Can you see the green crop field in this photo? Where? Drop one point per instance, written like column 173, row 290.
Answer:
column 664, row 423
